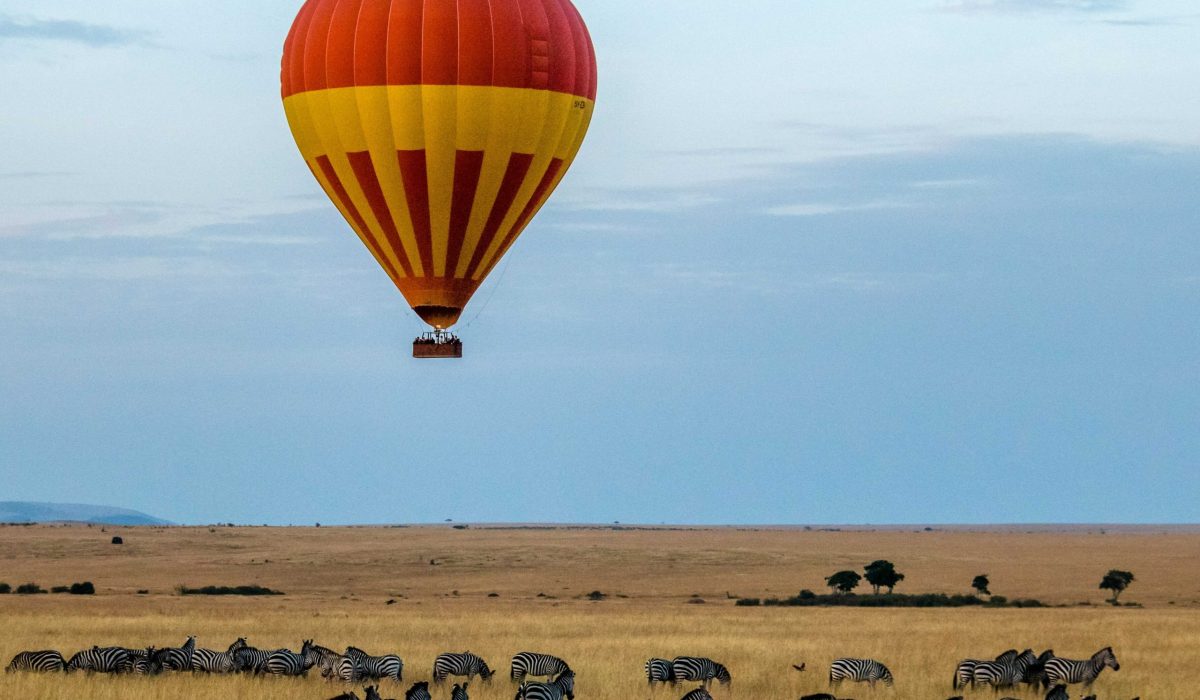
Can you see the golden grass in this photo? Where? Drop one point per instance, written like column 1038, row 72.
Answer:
column 338, row 579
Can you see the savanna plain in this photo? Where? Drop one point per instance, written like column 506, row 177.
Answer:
column 419, row 591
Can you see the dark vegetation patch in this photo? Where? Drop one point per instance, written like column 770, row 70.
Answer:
column 898, row 600
column 227, row 590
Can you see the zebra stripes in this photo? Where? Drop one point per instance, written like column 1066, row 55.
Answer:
column 698, row 694
column 459, row 692
column 48, row 661
column 418, row 691
column 1058, row 692
column 528, row 663
column 561, row 687
column 965, row 671
column 97, row 660
column 388, row 666
column 464, row 664
column 372, row 692
column 209, row 661
column 1004, row 673
column 175, row 659
column 859, row 671
column 1059, row 670
column 322, row 658
column 250, row 659
column 286, row 663
column 659, row 671
column 698, row 668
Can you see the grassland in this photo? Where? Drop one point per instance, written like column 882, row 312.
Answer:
column 526, row 589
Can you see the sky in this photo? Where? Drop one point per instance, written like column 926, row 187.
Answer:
column 819, row 261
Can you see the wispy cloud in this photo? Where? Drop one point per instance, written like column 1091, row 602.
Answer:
column 70, row 31
column 829, row 208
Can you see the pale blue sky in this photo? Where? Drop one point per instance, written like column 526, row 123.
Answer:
column 919, row 261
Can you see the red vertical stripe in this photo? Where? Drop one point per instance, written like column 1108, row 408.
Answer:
column 542, row 191
column 467, row 166
column 416, row 187
column 404, row 42
column 364, row 171
column 370, row 44
column 315, row 73
column 339, row 48
column 510, row 46
column 474, row 42
column 439, row 43
column 360, row 224
column 562, row 57
column 514, row 177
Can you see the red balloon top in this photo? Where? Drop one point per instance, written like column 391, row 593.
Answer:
column 537, row 44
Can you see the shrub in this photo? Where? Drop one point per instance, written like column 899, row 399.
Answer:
column 118, row 540
column 5, row 589
column 60, row 589
column 85, row 588
column 29, row 589
column 227, row 590
column 748, row 602
column 596, row 595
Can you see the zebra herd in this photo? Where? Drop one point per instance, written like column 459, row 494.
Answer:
column 1010, row 669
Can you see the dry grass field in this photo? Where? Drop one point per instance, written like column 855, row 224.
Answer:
column 498, row 591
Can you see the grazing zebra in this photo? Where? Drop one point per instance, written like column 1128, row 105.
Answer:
column 37, row 661
column 1037, row 670
column 659, row 671
column 209, row 661
column 528, row 663
column 698, row 694
column 388, row 666
column 372, row 692
column 141, row 662
column 97, row 660
column 419, row 691
column 251, row 659
column 964, row 672
column 173, row 659
column 287, row 663
column 1058, row 692
column 1003, row 674
column 1060, row 670
column 698, row 668
column 459, row 692
column 323, row 658
column 464, row 664
column 859, row 670
column 561, row 687
column 346, row 669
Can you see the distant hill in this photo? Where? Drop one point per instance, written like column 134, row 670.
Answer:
column 24, row 512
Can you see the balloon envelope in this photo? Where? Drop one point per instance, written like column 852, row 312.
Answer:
column 438, row 127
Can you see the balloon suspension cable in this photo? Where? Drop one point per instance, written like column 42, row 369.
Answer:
column 503, row 273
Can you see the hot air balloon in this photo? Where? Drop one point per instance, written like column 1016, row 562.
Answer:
column 438, row 128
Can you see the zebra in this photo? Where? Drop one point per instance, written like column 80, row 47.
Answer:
column 459, row 692
column 173, row 659
column 321, row 657
column 209, row 661
column 1058, row 692
column 418, row 691
column 698, row 694
column 98, row 660
column 287, row 663
column 346, row 696
column 372, row 692
column 859, row 670
column 141, row 662
column 251, row 659
column 659, row 671
column 346, row 669
column 48, row 661
column 1037, row 670
column 528, row 663
column 827, row 696
column 698, row 668
column 964, row 672
column 464, row 664
column 561, row 687
column 1059, row 670
column 388, row 666
column 1003, row 674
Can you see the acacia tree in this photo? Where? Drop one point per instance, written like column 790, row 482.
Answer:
column 882, row 573
column 980, row 583
column 843, row 581
column 1116, row 581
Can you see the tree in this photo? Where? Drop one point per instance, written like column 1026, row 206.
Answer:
column 980, row 583
column 882, row 573
column 1116, row 581
column 843, row 581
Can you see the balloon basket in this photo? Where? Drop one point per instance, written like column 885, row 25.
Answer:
column 437, row 345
